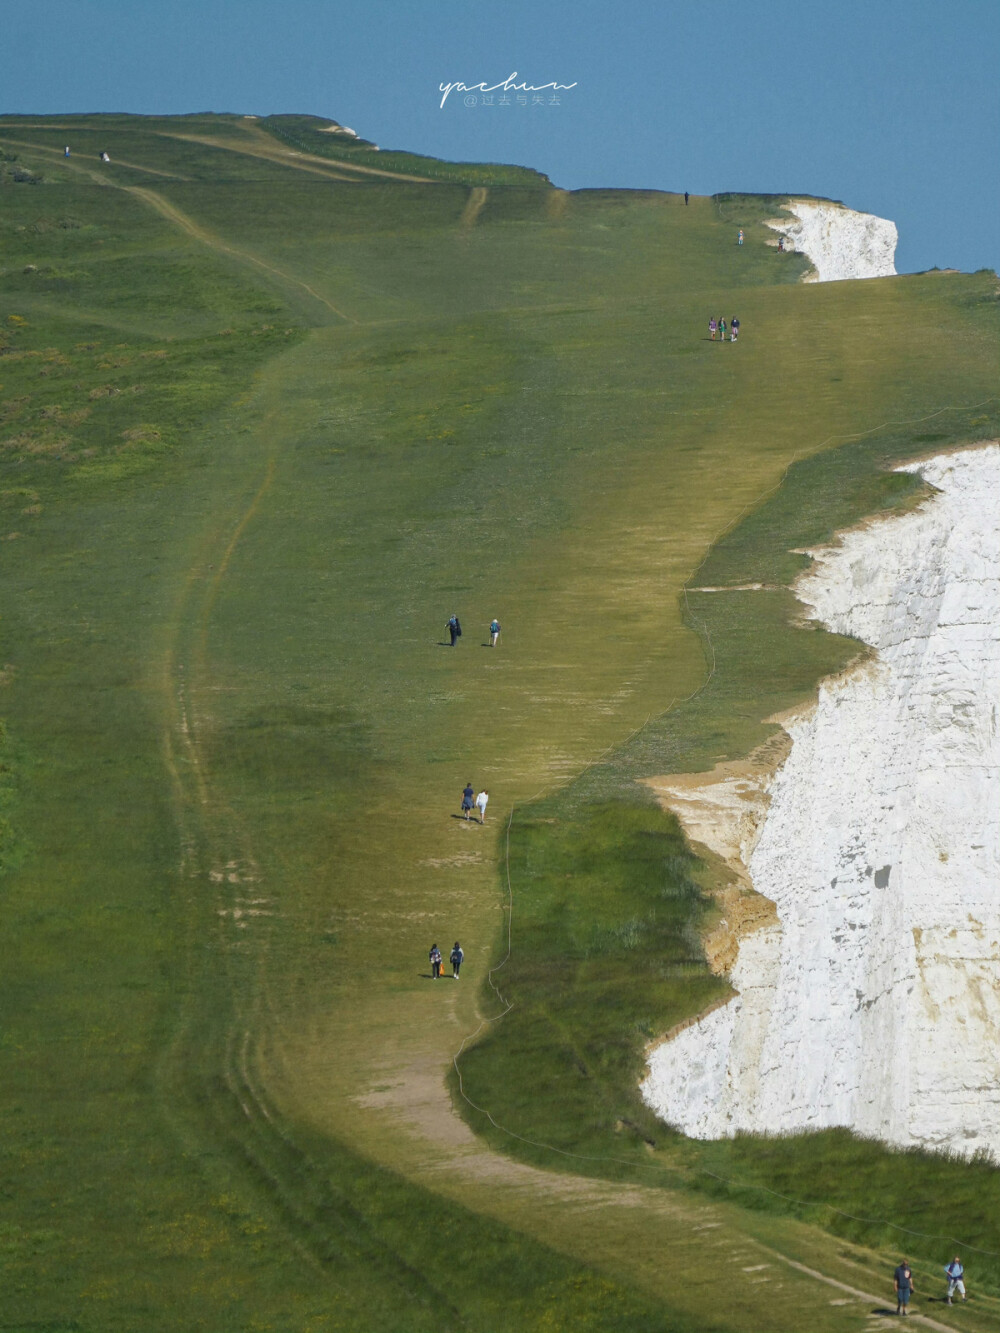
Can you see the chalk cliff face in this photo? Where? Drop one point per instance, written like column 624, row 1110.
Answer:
column 839, row 242
column 874, row 1001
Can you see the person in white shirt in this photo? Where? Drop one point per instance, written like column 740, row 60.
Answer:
column 481, row 803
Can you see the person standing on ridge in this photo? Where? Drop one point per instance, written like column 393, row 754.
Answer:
column 467, row 798
column 902, row 1280
column 494, row 632
column 482, row 800
column 955, row 1273
column 454, row 629
column 739, row 238
column 686, row 198
column 435, row 957
column 456, row 960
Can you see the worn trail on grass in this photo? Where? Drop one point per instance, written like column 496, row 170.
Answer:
column 263, row 146
column 611, row 1226
column 473, row 207
column 213, row 838
column 206, row 237
column 100, row 177
column 189, row 226
column 655, row 1234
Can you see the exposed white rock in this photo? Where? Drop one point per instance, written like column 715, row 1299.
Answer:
column 839, row 242
column 875, row 1001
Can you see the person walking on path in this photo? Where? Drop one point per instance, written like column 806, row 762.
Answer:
column 734, row 329
column 494, row 632
column 739, row 238
column 712, row 326
column 955, row 1273
column 435, row 957
column 454, row 629
column 481, row 802
column 467, row 799
column 902, row 1280
column 457, row 957
column 722, row 329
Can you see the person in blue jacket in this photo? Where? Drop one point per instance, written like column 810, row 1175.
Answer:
column 955, row 1274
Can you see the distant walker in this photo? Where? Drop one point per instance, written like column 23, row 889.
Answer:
column 456, row 960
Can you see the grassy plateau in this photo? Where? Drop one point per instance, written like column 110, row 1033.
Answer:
column 273, row 405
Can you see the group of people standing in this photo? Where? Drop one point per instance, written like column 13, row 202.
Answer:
column 718, row 326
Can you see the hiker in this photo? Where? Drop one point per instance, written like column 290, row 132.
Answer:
column 456, row 960
column 435, row 957
column 686, row 198
column 955, row 1273
column 722, row 329
column 467, row 798
column 66, row 151
column 105, row 157
column 902, row 1280
column 739, row 238
column 781, row 244
column 734, row 329
column 712, row 326
column 482, row 801
column 454, row 629
column 494, row 632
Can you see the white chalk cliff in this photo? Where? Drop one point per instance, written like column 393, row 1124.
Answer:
column 874, row 1001
column 839, row 242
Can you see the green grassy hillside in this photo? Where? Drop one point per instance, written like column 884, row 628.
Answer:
column 271, row 412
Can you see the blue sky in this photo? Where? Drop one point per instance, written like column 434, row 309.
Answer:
column 890, row 105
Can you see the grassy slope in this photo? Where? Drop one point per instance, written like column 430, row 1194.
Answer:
column 226, row 624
